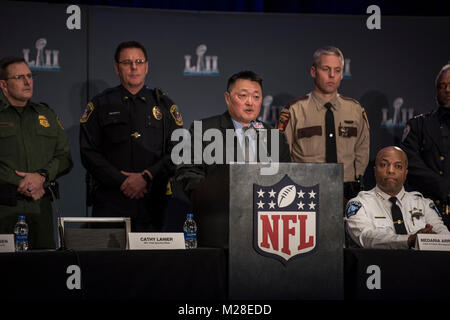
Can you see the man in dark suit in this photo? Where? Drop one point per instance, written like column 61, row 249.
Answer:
column 426, row 142
column 249, row 141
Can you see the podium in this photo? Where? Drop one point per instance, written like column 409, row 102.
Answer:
column 284, row 232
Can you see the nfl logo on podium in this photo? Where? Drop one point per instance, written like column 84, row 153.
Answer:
column 285, row 219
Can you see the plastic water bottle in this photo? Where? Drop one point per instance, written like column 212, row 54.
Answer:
column 21, row 234
column 190, row 232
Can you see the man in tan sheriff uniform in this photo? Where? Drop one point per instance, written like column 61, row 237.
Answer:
column 303, row 122
column 370, row 219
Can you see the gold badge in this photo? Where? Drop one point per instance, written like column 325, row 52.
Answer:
column 176, row 115
column 136, row 135
column 87, row 112
column 157, row 113
column 43, row 121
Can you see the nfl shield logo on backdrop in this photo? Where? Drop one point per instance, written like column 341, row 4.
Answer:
column 285, row 219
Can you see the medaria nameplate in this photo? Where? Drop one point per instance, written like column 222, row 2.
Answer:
column 433, row 242
column 7, row 243
column 156, row 240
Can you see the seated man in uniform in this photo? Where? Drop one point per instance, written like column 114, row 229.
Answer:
column 388, row 217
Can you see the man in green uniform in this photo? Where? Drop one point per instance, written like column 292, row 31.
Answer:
column 34, row 151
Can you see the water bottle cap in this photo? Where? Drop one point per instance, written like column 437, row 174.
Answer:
column 190, row 215
column 21, row 217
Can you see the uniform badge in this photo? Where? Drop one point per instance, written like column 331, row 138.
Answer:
column 281, row 211
column 283, row 120
column 43, row 121
column 87, row 112
column 415, row 213
column 176, row 115
column 352, row 208
column 157, row 113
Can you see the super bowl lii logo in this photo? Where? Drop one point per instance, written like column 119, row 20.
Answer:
column 204, row 65
column 347, row 73
column 46, row 60
column 399, row 117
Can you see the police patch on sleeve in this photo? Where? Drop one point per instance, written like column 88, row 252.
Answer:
column 433, row 206
column 87, row 112
column 352, row 208
column 176, row 115
column 364, row 115
column 405, row 132
column 283, row 120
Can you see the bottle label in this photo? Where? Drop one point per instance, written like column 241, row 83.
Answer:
column 190, row 235
column 20, row 237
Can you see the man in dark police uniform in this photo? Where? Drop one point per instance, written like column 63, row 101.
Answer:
column 426, row 141
column 125, row 144
column 34, row 151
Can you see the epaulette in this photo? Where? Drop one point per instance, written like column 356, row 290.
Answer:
column 349, row 99
column 293, row 101
column 417, row 194
column 419, row 116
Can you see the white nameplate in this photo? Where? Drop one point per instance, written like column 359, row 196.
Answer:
column 7, row 243
column 434, row 242
column 156, row 240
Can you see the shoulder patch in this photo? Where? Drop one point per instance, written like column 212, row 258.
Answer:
column 364, row 116
column 283, row 120
column 176, row 115
column 59, row 122
column 87, row 112
column 352, row 208
column 434, row 207
column 406, row 132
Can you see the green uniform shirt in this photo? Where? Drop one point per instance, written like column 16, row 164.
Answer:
column 30, row 140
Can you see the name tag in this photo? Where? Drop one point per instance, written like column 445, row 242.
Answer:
column 433, row 242
column 156, row 240
column 7, row 243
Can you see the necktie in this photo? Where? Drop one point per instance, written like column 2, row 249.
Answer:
column 247, row 151
column 330, row 135
column 397, row 217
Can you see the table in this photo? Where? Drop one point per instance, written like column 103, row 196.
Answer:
column 197, row 274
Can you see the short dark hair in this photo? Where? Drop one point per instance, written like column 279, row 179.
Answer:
column 246, row 75
column 126, row 45
column 5, row 62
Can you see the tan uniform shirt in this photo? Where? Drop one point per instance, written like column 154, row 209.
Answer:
column 303, row 122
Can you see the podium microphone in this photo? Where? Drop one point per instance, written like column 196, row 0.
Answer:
column 257, row 126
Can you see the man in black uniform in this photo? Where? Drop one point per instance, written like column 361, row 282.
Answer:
column 426, row 142
column 125, row 143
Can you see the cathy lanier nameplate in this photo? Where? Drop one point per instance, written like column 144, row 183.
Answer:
column 156, row 240
column 7, row 243
column 433, row 242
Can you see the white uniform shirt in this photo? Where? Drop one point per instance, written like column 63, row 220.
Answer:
column 369, row 220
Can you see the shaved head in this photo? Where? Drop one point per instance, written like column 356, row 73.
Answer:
column 391, row 168
column 392, row 149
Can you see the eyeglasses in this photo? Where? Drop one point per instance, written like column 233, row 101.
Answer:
column 443, row 85
column 245, row 96
column 22, row 77
column 129, row 63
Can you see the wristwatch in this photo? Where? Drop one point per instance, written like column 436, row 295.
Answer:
column 43, row 172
